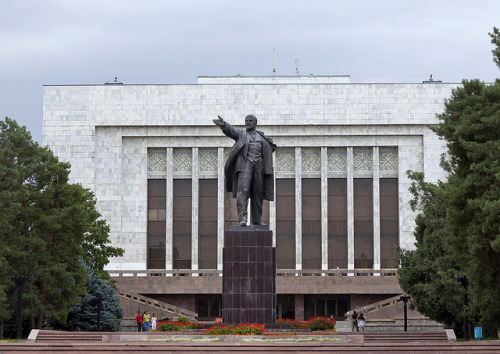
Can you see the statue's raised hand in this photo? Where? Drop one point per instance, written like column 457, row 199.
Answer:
column 219, row 121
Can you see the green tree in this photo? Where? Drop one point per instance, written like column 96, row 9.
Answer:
column 469, row 234
column 471, row 126
column 428, row 273
column 495, row 39
column 7, row 208
column 4, row 312
column 48, row 227
column 84, row 315
column 95, row 245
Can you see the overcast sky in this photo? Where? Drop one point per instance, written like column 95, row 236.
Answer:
column 47, row 42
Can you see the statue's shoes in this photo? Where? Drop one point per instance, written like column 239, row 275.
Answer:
column 243, row 223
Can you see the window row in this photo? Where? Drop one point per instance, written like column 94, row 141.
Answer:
column 286, row 218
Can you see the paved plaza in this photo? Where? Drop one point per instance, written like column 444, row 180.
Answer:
column 373, row 342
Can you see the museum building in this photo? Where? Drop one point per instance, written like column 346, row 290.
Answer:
column 155, row 161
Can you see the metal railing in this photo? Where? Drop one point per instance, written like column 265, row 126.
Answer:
column 279, row 273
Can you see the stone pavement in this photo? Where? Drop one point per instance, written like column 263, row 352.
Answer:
column 71, row 342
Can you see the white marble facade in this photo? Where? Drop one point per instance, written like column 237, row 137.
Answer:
column 324, row 127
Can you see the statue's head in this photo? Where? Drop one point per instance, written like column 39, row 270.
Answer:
column 250, row 121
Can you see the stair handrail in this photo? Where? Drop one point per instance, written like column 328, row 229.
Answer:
column 375, row 306
column 165, row 306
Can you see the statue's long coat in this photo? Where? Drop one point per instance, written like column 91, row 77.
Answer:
column 237, row 157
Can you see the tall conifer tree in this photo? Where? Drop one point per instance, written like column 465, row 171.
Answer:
column 469, row 200
column 51, row 227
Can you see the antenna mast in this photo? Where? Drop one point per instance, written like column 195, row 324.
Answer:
column 274, row 61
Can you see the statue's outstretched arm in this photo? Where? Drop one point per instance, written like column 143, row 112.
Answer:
column 226, row 128
column 219, row 121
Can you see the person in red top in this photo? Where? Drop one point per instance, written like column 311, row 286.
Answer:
column 138, row 319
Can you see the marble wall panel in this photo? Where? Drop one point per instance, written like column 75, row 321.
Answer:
column 104, row 131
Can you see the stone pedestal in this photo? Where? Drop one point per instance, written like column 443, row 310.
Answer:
column 249, row 277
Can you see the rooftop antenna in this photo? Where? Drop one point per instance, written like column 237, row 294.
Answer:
column 114, row 82
column 274, row 61
column 297, row 66
column 431, row 80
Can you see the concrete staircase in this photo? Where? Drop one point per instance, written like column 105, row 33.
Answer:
column 46, row 336
column 387, row 315
column 376, row 342
column 398, row 337
column 397, row 325
column 132, row 303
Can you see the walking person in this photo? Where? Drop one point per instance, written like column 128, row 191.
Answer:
column 153, row 322
column 138, row 319
column 146, row 318
column 354, row 318
column 361, row 322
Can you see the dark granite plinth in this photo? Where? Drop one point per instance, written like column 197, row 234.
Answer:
column 249, row 277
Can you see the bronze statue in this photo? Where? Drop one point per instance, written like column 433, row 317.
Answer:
column 249, row 168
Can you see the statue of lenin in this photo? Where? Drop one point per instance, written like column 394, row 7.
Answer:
column 249, row 168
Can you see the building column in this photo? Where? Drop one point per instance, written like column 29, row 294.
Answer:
column 298, row 208
column 195, row 192
column 376, row 209
column 299, row 307
column 220, row 206
column 324, row 208
column 169, row 242
column 350, row 208
column 272, row 207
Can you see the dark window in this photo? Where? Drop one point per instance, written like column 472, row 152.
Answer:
column 337, row 223
column 325, row 306
column 285, row 306
column 285, row 223
column 156, row 223
column 363, row 223
column 311, row 223
column 209, row 307
column 182, row 224
column 207, row 224
column 389, row 222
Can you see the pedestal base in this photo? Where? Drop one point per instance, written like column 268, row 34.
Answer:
column 249, row 277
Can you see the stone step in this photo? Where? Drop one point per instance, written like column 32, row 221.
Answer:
column 64, row 336
column 400, row 327
column 388, row 337
column 401, row 320
column 248, row 347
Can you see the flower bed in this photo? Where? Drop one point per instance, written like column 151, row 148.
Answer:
column 314, row 324
column 177, row 326
column 242, row 329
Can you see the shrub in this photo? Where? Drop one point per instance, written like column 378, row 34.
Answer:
column 315, row 323
column 294, row 324
column 196, row 325
column 216, row 330
column 170, row 326
column 183, row 319
column 321, row 323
